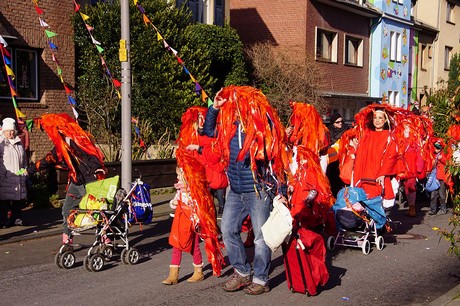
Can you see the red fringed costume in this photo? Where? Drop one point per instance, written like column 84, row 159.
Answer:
column 60, row 126
column 203, row 213
column 198, row 181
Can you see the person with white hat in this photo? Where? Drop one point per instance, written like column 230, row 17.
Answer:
column 13, row 192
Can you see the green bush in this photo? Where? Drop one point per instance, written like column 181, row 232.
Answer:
column 161, row 90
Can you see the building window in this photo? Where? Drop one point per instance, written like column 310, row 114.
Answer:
column 447, row 57
column 326, row 46
column 401, row 1
column 450, row 12
column 393, row 97
column 353, row 51
column 24, row 63
column 219, row 12
column 205, row 11
column 395, row 46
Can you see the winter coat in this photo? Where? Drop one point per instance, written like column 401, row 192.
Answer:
column 239, row 172
column 13, row 158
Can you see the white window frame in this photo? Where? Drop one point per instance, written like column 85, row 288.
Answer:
column 447, row 57
column 450, row 12
column 321, row 37
column 357, row 47
column 393, row 97
column 395, row 46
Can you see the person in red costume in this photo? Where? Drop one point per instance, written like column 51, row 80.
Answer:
column 412, row 164
column 376, row 157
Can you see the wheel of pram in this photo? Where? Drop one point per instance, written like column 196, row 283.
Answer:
column 132, row 257
column 379, row 242
column 57, row 260
column 123, row 257
column 330, row 243
column 96, row 262
column 67, row 260
column 107, row 252
column 87, row 263
column 366, row 247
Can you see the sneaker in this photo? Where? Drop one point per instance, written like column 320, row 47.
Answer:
column 18, row 222
column 236, row 282
column 256, row 289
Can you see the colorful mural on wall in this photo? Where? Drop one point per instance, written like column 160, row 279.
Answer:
column 390, row 53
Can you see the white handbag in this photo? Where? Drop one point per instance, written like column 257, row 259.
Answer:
column 278, row 226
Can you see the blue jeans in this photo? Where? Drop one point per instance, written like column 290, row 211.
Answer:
column 72, row 199
column 237, row 207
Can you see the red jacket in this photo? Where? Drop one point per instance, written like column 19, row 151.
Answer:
column 440, row 162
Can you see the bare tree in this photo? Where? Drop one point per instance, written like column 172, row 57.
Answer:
column 284, row 78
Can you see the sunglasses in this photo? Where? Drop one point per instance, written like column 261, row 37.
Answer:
column 340, row 121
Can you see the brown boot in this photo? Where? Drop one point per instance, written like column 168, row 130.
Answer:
column 197, row 274
column 411, row 212
column 173, row 275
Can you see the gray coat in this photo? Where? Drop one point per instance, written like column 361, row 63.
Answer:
column 12, row 158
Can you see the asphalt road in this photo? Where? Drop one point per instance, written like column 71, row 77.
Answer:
column 412, row 269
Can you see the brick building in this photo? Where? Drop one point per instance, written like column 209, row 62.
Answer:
column 37, row 82
column 333, row 33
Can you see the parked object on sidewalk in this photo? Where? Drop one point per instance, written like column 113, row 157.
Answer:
column 111, row 229
column 305, row 262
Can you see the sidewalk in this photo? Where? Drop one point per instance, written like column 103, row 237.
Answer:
column 46, row 222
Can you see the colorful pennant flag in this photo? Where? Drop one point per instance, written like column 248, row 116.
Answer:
column 198, row 89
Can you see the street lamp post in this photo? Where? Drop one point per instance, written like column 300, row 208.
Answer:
column 126, row 153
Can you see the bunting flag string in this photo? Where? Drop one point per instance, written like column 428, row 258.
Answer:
column 135, row 122
column 198, row 89
column 116, row 83
column 9, row 77
column 53, row 49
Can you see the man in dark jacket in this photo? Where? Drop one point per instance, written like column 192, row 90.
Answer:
column 242, row 199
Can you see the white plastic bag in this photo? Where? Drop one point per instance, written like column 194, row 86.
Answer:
column 278, row 225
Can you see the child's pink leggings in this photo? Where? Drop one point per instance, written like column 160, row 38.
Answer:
column 176, row 255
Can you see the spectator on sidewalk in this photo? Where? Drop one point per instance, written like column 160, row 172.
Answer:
column 13, row 190
column 439, row 194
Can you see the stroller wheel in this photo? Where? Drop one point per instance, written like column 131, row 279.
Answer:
column 87, row 263
column 379, row 242
column 107, row 252
column 132, row 256
column 123, row 257
column 366, row 247
column 96, row 262
column 67, row 260
column 330, row 243
column 57, row 260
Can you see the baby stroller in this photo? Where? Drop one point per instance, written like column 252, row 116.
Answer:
column 359, row 220
column 106, row 211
